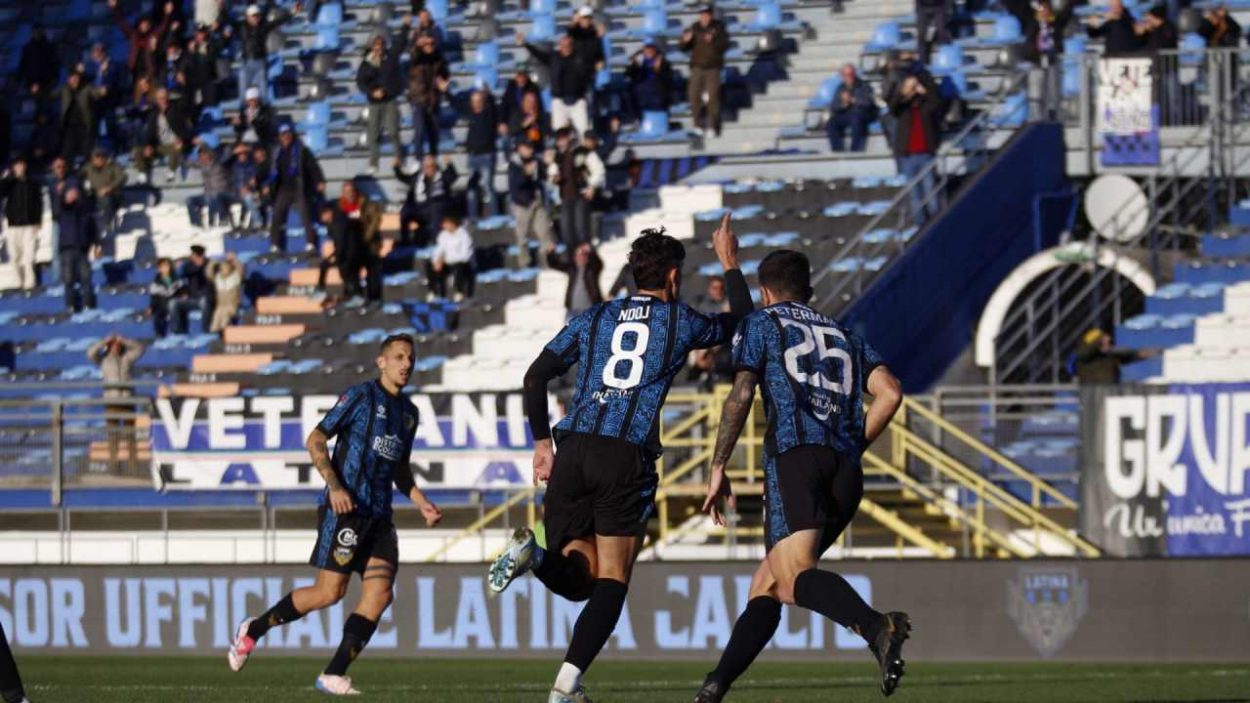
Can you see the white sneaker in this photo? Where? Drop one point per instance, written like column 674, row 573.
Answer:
column 242, row 646
column 335, row 685
column 578, row 696
column 516, row 559
column 169, row 176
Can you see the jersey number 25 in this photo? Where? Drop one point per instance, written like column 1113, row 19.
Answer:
column 816, row 338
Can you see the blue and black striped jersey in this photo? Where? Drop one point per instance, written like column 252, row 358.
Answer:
column 812, row 373
column 375, row 431
column 628, row 351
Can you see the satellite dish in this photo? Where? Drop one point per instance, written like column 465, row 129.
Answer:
column 1116, row 207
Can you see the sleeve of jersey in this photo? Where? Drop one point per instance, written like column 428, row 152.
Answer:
column 716, row 330
column 565, row 345
column 339, row 415
column 867, row 359
column 402, row 473
column 748, row 347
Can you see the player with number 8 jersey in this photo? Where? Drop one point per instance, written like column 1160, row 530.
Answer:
column 602, row 481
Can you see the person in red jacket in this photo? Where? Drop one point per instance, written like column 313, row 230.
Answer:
column 144, row 38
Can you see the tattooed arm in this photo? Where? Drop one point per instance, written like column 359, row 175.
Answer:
column 340, row 499
column 734, row 417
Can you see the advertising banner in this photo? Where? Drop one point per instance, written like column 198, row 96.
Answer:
column 463, row 441
column 969, row 611
column 1164, row 469
column 1127, row 117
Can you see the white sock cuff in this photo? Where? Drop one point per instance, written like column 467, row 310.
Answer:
column 569, row 679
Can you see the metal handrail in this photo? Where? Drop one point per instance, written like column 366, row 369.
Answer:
column 903, row 196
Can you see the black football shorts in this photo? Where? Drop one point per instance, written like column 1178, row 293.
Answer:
column 598, row 486
column 345, row 543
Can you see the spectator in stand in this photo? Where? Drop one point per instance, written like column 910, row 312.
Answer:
column 650, row 79
column 513, row 95
column 480, row 142
column 243, row 186
column 107, row 81
column 116, row 356
column 1118, row 29
column 354, row 226
column 1044, row 31
column 1219, row 28
column 195, row 293
column 917, row 107
column 429, row 198
column 295, row 181
column 854, row 107
column 933, row 19
column 59, row 183
column 171, row 75
column 217, row 195
column 1156, row 31
column 203, row 53
column 77, row 238
column 529, row 122
column 40, row 67
column 143, row 38
column 227, row 277
column 23, row 210
column 256, row 122
column 583, row 268
column 525, row 195
column 76, row 118
column 138, row 112
column 713, row 300
column 453, row 257
column 577, row 172
column 105, row 179
column 380, row 79
column 706, row 41
column 1098, row 361
column 262, row 167
column 253, row 33
column 428, row 79
column 587, row 36
column 162, row 292
column 572, row 77
column 169, row 134
column 45, row 143
column 425, row 27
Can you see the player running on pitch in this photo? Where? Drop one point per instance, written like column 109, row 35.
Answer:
column 375, row 425
column 814, row 374
column 601, row 488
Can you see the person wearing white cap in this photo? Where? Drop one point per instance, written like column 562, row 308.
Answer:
column 253, row 33
column 587, row 37
column 256, row 122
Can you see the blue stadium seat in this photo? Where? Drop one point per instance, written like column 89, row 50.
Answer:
column 949, row 57
column 327, row 39
column 767, row 15
column 329, row 15
column 438, row 10
column 1006, row 29
column 542, row 7
column 542, row 28
column 654, row 124
column 318, row 113
column 655, row 21
column 886, row 35
column 824, row 94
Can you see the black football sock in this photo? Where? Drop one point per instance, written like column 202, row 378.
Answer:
column 280, row 614
column 356, row 634
column 755, row 627
column 10, row 680
column 567, row 576
column 595, row 624
column 830, row 595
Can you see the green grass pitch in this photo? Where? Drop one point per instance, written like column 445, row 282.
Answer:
column 142, row 679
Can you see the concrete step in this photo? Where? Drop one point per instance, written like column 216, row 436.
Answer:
column 262, row 334
column 229, row 363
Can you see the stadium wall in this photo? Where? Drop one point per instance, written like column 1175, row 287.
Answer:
column 922, row 312
column 1122, row 610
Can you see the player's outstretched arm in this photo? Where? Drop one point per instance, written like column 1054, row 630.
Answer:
column 725, row 243
column 733, row 418
column 319, row 451
column 546, row 367
column 887, row 396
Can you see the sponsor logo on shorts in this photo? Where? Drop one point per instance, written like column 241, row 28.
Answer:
column 1047, row 605
column 345, row 545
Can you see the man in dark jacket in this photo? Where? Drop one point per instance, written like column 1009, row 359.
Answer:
column 253, row 33
column 933, row 19
column 39, row 67
column 650, row 79
column 23, row 209
column 108, row 85
column 916, row 107
column 1118, row 29
column 513, row 95
column 76, row 223
column 578, row 172
column 104, row 179
column 1157, row 32
column 380, row 78
column 1219, row 28
column 143, row 38
column 256, row 122
column 428, row 79
column 169, row 133
column 171, row 75
column 587, row 36
column 217, row 195
column 854, row 107
column 76, row 118
column 295, row 181
column 429, row 198
column 583, row 268
column 571, row 81
column 480, row 142
column 1098, row 361
column 196, row 291
column 706, row 42
column 525, row 197
column 202, row 55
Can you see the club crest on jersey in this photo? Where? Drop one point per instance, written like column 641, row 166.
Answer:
column 410, row 421
column 381, row 411
column 1047, row 605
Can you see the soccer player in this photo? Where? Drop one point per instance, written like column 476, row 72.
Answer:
column 601, row 483
column 814, row 374
column 375, row 425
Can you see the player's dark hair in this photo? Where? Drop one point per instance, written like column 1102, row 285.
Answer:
column 394, row 339
column 787, row 273
column 652, row 256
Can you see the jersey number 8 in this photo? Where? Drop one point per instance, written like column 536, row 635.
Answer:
column 632, row 356
column 816, row 338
